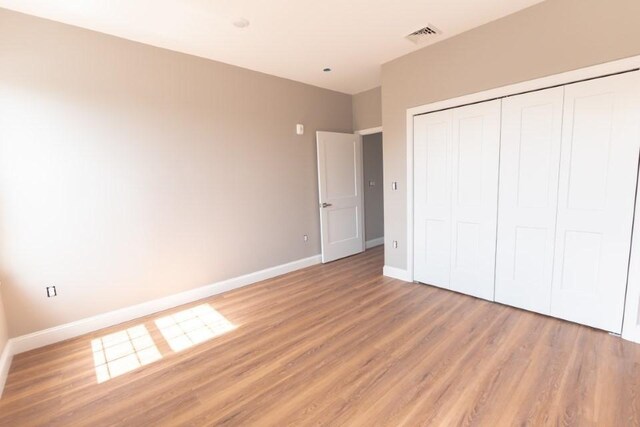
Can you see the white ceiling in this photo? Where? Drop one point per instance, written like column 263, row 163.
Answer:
column 294, row 39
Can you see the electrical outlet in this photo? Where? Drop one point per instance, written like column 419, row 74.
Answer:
column 306, row 238
column 51, row 291
column 395, row 244
column 372, row 183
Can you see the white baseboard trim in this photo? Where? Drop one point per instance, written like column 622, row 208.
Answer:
column 70, row 330
column 5, row 364
column 396, row 273
column 374, row 242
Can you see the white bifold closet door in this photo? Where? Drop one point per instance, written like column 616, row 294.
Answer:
column 432, row 197
column 529, row 165
column 597, row 187
column 456, row 158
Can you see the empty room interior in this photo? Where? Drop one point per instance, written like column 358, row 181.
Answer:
column 340, row 213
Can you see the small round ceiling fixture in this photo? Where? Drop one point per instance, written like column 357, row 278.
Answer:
column 241, row 23
column 327, row 70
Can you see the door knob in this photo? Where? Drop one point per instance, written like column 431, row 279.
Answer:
column 326, row 205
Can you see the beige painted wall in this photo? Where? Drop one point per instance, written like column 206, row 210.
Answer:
column 546, row 39
column 129, row 172
column 367, row 109
column 373, row 196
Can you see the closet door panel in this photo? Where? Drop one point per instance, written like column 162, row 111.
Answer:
column 432, row 198
column 474, row 192
column 529, row 166
column 599, row 164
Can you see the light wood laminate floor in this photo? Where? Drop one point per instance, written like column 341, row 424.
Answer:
column 335, row 344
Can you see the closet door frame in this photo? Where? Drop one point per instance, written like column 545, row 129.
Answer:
column 600, row 70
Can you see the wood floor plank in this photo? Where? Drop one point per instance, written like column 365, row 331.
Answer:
column 340, row 344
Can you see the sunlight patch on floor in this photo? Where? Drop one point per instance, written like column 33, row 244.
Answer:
column 193, row 326
column 121, row 352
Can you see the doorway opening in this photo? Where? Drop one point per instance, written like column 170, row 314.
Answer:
column 372, row 161
column 350, row 192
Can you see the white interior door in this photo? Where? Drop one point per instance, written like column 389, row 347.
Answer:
column 599, row 163
column 432, row 198
column 341, row 195
column 529, row 166
column 456, row 156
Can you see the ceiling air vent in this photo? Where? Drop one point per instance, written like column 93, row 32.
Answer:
column 424, row 34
